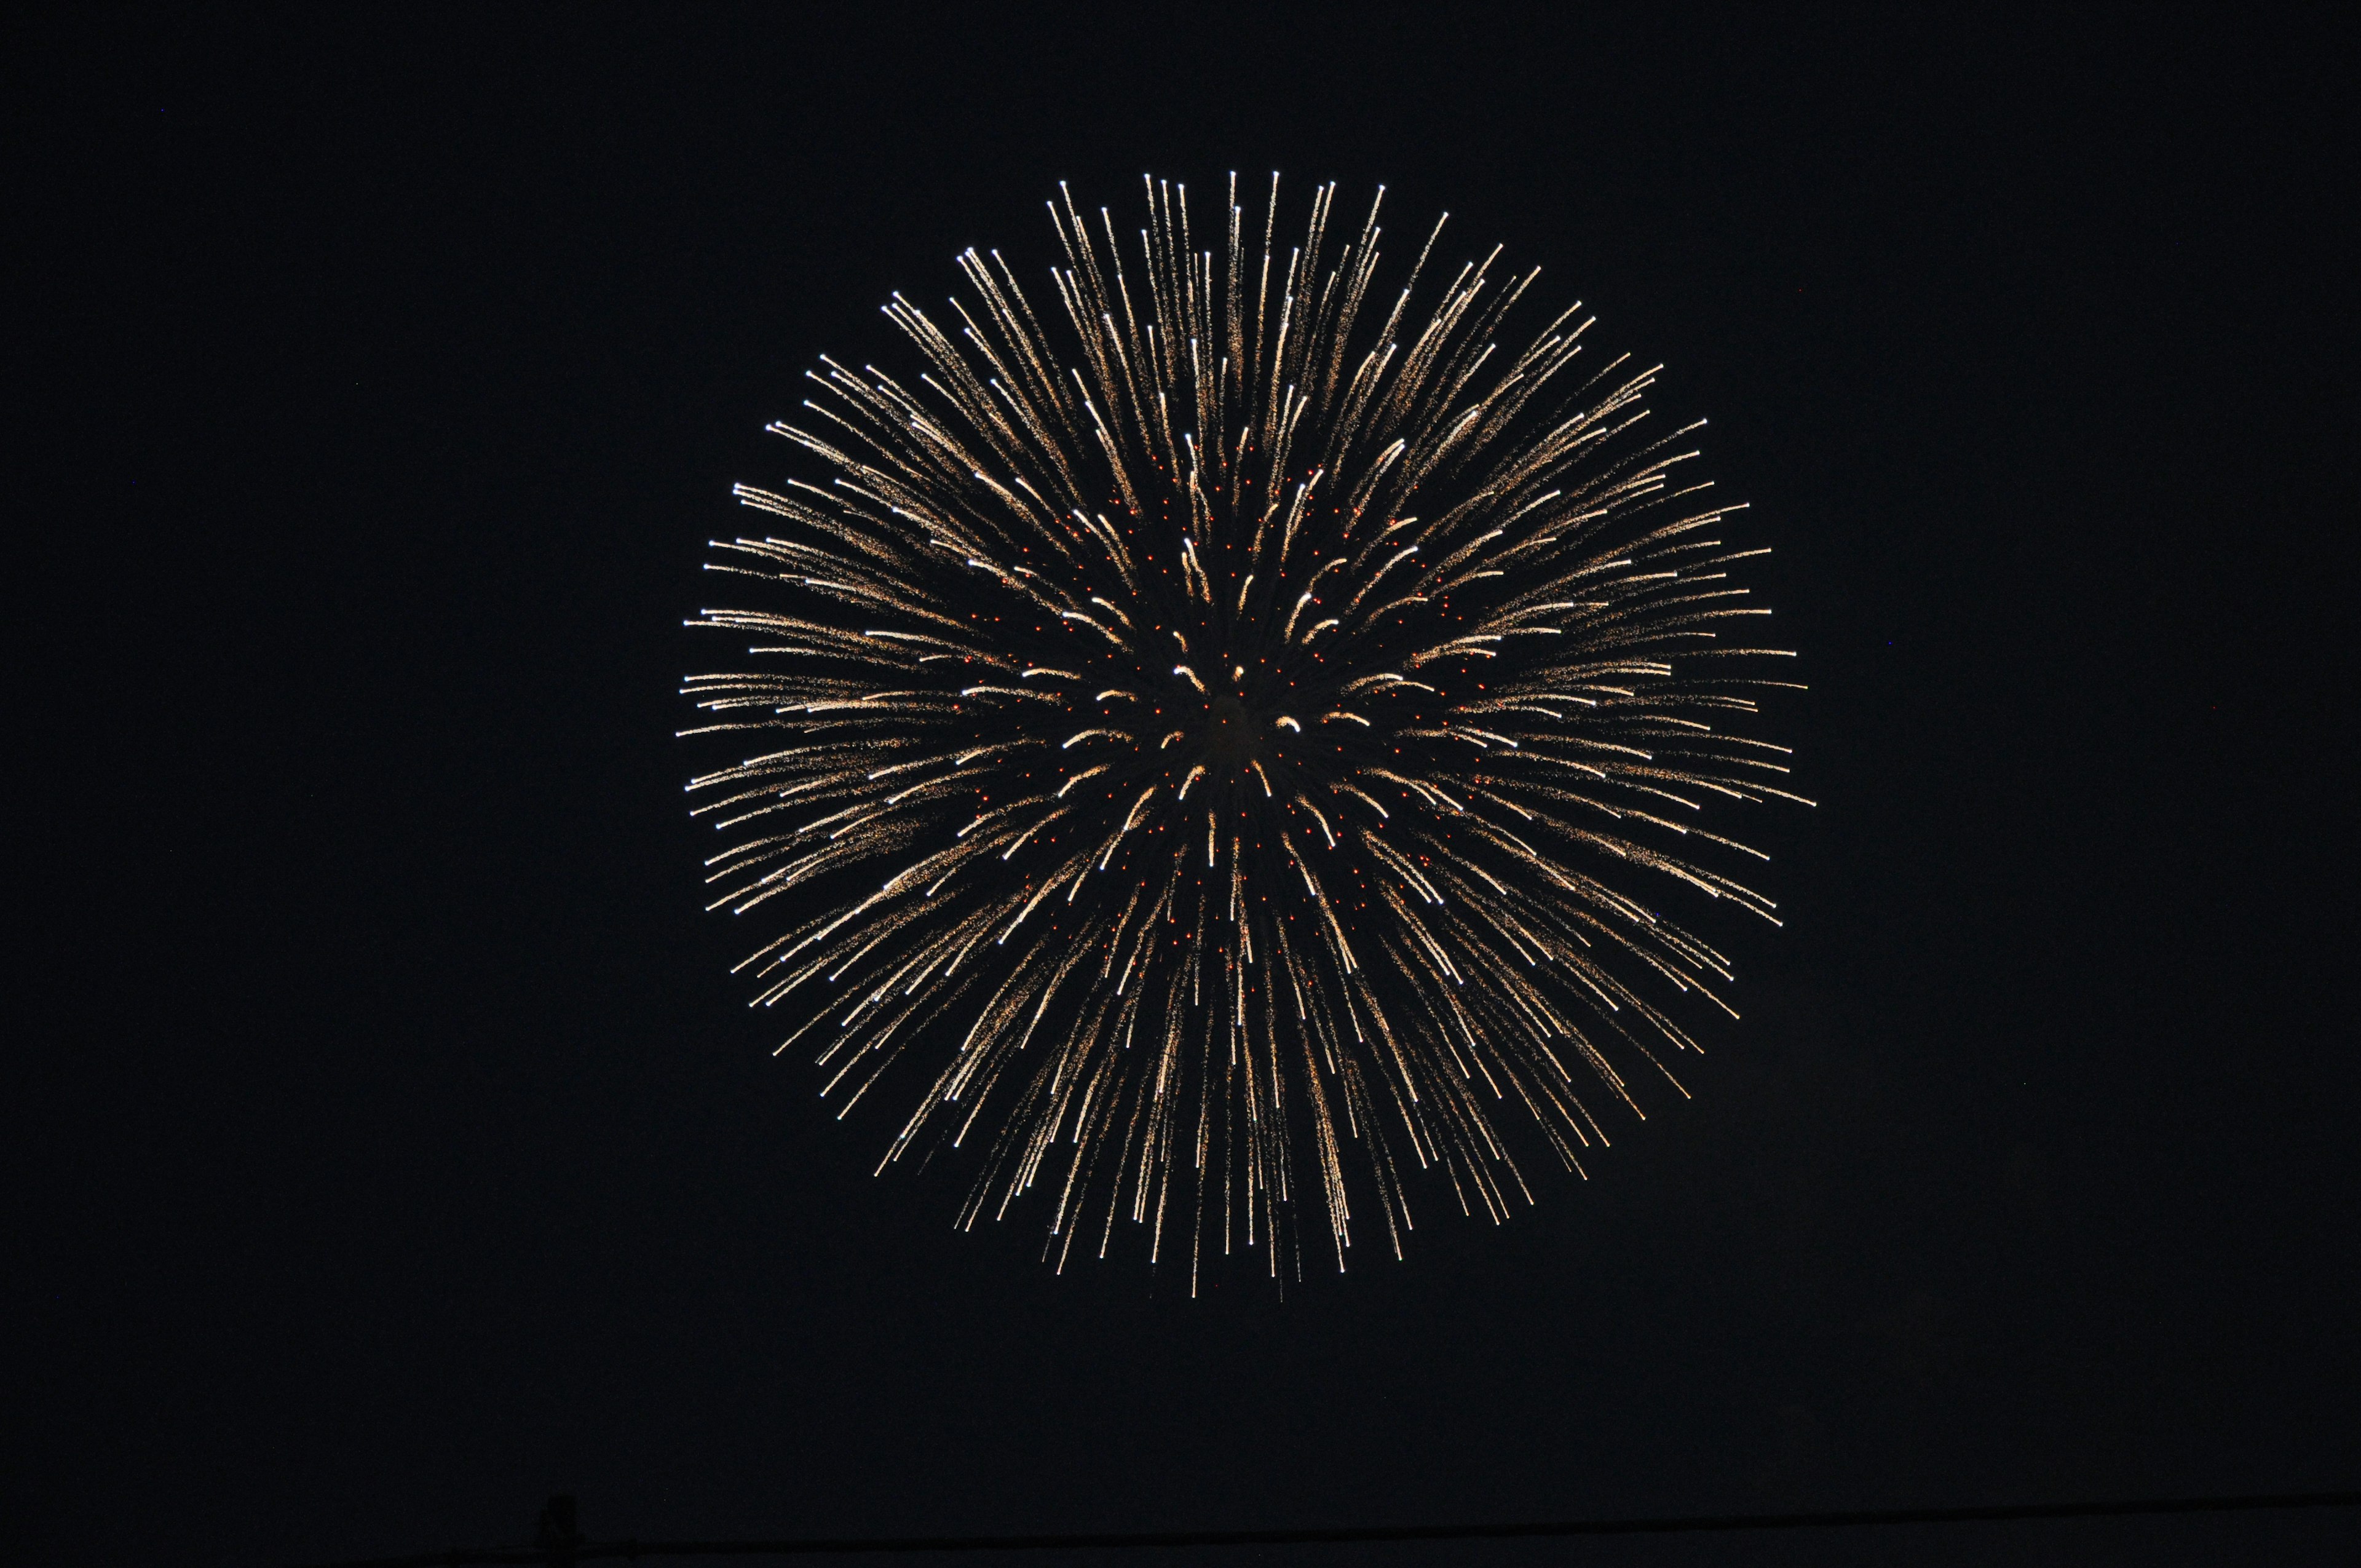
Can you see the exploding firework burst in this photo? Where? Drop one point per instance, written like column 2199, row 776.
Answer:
column 1225, row 746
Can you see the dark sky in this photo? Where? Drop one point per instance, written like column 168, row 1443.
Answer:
column 387, row 1147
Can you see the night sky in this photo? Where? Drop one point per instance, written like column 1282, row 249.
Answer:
column 387, row 1147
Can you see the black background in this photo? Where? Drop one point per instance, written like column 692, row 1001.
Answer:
column 390, row 1147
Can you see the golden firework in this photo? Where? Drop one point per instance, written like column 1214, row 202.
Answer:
column 1222, row 741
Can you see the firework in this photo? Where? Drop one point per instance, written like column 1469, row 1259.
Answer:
column 1223, row 727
